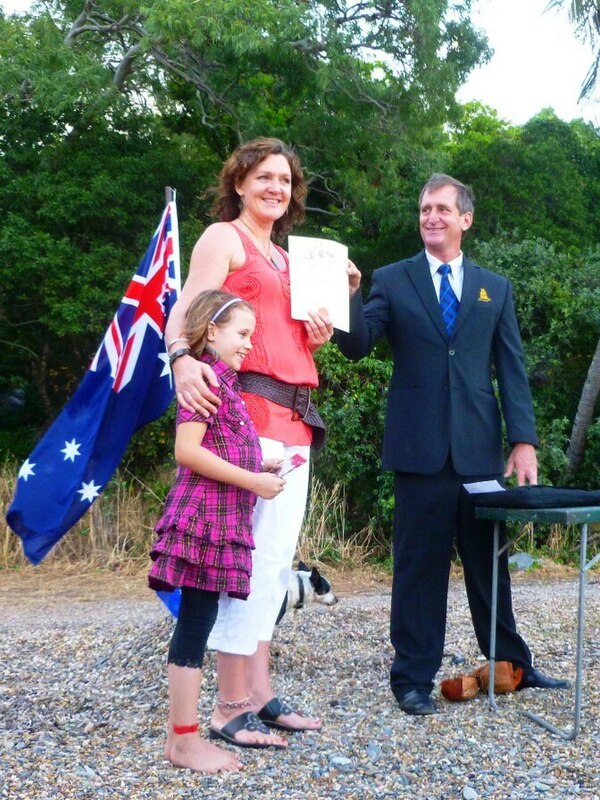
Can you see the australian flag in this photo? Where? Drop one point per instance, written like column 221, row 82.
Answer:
column 128, row 384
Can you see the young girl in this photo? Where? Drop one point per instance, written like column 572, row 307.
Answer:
column 204, row 535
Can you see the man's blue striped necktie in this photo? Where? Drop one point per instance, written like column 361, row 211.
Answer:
column 449, row 302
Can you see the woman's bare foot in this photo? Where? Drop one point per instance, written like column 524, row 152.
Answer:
column 192, row 752
column 221, row 717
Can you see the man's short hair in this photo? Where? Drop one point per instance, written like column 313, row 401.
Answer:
column 464, row 194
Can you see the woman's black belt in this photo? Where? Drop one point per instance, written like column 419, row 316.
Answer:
column 297, row 398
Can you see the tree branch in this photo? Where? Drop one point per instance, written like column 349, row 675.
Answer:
column 125, row 67
column 80, row 22
column 323, row 211
column 98, row 23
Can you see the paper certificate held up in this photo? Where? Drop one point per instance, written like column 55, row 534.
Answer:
column 318, row 279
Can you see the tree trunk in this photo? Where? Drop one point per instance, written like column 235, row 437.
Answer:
column 39, row 374
column 584, row 415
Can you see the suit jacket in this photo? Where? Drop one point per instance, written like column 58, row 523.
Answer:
column 441, row 398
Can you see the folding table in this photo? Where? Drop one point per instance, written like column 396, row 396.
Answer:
column 581, row 516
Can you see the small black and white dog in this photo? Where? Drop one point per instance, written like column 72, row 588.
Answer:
column 306, row 586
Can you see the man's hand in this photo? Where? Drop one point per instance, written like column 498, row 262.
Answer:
column 193, row 380
column 354, row 277
column 318, row 328
column 523, row 461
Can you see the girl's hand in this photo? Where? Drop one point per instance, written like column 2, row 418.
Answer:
column 193, row 381
column 272, row 464
column 318, row 328
column 267, row 485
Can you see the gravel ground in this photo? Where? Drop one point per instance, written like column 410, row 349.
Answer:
column 83, row 701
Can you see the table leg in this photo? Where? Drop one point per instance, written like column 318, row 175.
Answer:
column 583, row 567
column 493, row 614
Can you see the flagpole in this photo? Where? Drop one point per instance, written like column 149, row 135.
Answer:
column 170, row 198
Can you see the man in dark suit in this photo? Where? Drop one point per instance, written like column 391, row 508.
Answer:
column 449, row 324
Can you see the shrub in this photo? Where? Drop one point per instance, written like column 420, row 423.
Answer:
column 351, row 399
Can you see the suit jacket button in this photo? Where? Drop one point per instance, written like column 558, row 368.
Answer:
column 451, row 352
column 446, row 388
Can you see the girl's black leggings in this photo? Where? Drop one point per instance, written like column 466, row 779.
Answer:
column 197, row 615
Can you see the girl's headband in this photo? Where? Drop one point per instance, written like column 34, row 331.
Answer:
column 218, row 313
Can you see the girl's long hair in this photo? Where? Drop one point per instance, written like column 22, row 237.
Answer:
column 201, row 312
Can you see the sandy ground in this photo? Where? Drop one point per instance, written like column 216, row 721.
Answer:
column 55, row 583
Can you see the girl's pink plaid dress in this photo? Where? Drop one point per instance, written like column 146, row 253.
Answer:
column 205, row 533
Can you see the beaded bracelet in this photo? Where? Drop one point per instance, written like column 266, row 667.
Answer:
column 183, row 351
column 233, row 704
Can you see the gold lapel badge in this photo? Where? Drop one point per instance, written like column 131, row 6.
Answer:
column 484, row 297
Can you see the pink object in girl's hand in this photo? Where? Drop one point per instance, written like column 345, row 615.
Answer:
column 288, row 464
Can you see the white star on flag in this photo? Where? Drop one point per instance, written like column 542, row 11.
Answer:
column 26, row 470
column 71, row 449
column 164, row 357
column 88, row 491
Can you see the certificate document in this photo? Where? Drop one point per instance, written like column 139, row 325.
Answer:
column 318, row 279
column 480, row 487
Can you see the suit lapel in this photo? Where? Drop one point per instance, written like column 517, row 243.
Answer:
column 470, row 292
column 420, row 275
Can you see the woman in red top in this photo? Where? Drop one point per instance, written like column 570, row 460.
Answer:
column 261, row 192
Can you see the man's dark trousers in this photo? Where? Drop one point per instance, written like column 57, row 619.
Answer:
column 432, row 512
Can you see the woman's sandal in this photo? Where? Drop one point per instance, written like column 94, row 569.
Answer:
column 248, row 721
column 275, row 708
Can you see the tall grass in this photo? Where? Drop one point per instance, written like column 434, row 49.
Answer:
column 324, row 537
column 117, row 532
column 559, row 543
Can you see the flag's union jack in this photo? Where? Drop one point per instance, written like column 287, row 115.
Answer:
column 143, row 304
column 127, row 385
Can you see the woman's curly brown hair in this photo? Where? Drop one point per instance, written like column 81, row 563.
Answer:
column 241, row 162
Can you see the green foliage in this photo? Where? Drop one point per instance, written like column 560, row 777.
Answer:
column 351, row 399
column 557, row 299
column 361, row 89
column 71, row 238
column 535, row 181
column 151, row 449
column 105, row 104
